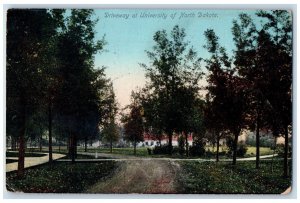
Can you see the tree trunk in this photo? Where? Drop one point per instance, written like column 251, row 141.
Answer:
column 85, row 144
column 275, row 143
column 170, row 143
column 218, row 146
column 286, row 147
column 75, row 147
column 257, row 141
column 59, row 146
column 13, row 144
column 111, row 145
column 236, row 136
column 72, row 148
column 41, row 139
column 134, row 147
column 21, row 159
column 50, row 131
column 186, row 145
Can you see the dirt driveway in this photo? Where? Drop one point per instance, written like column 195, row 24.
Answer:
column 141, row 176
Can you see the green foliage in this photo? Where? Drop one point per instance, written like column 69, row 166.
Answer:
column 171, row 95
column 163, row 149
column 27, row 154
column 60, row 177
column 133, row 122
column 241, row 149
column 223, row 178
column 181, row 144
column 110, row 133
column 198, row 148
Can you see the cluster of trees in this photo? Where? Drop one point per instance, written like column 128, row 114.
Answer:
column 52, row 85
column 249, row 90
column 252, row 90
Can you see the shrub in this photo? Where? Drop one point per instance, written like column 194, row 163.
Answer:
column 181, row 142
column 197, row 149
column 280, row 150
column 163, row 149
column 241, row 147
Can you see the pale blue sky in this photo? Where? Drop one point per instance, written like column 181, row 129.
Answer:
column 129, row 38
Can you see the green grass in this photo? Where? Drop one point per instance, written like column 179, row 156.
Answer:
column 262, row 151
column 223, row 178
column 27, row 154
column 61, row 177
column 8, row 161
column 141, row 151
column 251, row 151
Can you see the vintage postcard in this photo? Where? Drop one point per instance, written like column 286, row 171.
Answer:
column 149, row 101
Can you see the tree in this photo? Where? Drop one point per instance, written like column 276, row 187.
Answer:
column 278, row 91
column 110, row 132
column 226, row 92
column 133, row 122
column 173, row 69
column 27, row 35
column 263, row 60
column 246, row 63
column 77, row 100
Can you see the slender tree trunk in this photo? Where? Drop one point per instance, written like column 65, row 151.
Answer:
column 85, row 144
column 218, row 146
column 111, row 145
column 286, row 147
column 21, row 159
column 257, row 140
column 72, row 148
column 134, row 147
column 59, row 146
column 68, row 145
column 50, row 131
column 236, row 136
column 13, row 144
column 186, row 145
column 275, row 143
column 75, row 147
column 41, row 139
column 170, row 143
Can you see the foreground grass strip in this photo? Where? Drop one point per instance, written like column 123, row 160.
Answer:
column 223, row 178
column 60, row 177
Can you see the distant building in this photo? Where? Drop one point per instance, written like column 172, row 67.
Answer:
column 151, row 141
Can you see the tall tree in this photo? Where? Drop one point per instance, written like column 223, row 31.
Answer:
column 226, row 97
column 133, row 122
column 27, row 33
column 110, row 131
column 278, row 42
column 173, row 67
column 246, row 63
column 78, row 100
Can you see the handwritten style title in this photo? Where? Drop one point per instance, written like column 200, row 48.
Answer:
column 162, row 15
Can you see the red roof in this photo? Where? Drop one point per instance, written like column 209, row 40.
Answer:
column 149, row 137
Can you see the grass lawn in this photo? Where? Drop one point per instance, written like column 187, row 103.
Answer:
column 8, row 161
column 27, row 154
column 60, row 177
column 251, row 151
column 223, row 178
column 262, row 151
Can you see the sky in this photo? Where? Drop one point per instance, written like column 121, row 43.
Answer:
column 129, row 32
